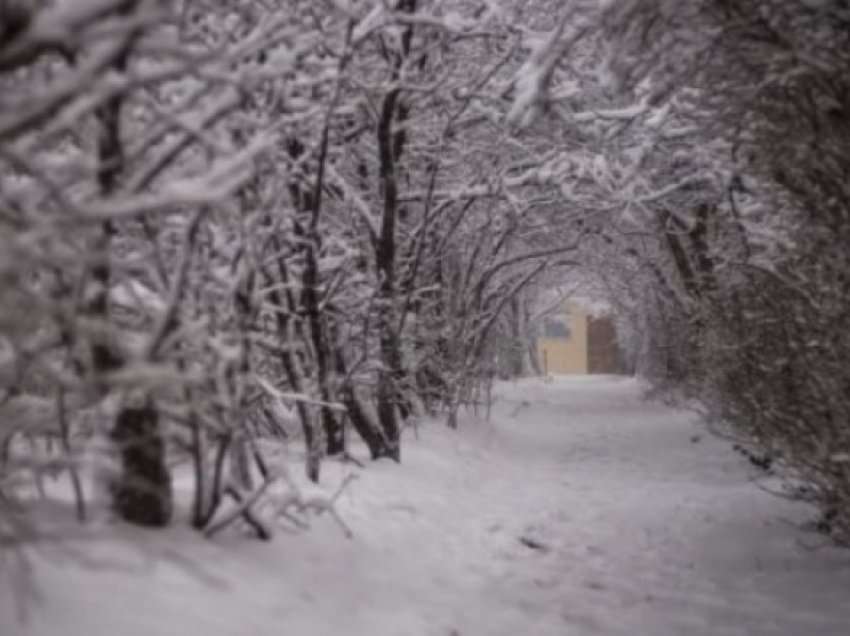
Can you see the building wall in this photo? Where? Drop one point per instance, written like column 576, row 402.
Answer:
column 566, row 355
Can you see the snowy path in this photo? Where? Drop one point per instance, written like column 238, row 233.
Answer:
column 642, row 530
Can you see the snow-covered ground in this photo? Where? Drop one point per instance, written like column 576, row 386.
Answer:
column 578, row 509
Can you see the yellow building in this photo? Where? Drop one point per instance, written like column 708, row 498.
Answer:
column 575, row 342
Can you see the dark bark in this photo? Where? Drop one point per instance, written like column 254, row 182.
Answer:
column 217, row 487
column 360, row 421
column 390, row 147
column 289, row 364
column 691, row 250
column 198, row 447
column 311, row 298
column 143, row 494
column 311, row 303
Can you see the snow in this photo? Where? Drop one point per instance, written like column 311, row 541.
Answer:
column 533, row 79
column 578, row 509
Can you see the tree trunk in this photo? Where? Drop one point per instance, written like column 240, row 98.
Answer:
column 142, row 494
column 390, row 147
column 365, row 427
column 289, row 362
column 310, row 201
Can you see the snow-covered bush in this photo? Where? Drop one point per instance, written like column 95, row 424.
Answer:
column 216, row 216
column 750, row 292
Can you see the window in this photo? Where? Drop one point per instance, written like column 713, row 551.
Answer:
column 556, row 327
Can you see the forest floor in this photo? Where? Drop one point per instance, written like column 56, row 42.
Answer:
column 578, row 509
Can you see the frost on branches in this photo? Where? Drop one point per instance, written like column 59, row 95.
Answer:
column 238, row 231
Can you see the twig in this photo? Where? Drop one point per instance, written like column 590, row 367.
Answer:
column 243, row 510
